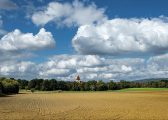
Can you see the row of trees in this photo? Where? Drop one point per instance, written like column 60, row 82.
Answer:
column 9, row 86
column 51, row 85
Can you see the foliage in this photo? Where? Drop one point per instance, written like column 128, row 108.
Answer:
column 1, row 87
column 9, row 86
column 32, row 90
column 22, row 83
column 46, row 85
column 92, row 85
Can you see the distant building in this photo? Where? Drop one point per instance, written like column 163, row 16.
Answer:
column 78, row 79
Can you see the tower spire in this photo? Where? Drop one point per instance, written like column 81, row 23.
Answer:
column 78, row 79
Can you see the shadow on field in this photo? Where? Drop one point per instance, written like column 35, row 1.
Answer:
column 9, row 95
column 3, row 95
column 23, row 93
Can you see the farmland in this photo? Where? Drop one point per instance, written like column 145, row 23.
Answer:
column 127, row 105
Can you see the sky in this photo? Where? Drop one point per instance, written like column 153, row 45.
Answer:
column 96, row 39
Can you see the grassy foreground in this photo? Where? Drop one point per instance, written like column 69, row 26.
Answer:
column 122, row 90
column 142, row 89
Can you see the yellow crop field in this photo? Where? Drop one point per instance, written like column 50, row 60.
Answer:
column 86, row 106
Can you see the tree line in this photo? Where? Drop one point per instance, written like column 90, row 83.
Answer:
column 92, row 85
column 12, row 85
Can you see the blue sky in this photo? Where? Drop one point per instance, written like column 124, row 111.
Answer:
column 109, row 39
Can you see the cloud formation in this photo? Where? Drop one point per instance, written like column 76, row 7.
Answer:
column 17, row 41
column 16, row 47
column 89, row 67
column 104, row 68
column 123, row 36
column 69, row 14
column 97, row 42
column 66, row 67
column 24, row 69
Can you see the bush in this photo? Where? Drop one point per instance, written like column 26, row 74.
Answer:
column 32, row 90
column 26, row 88
column 10, row 86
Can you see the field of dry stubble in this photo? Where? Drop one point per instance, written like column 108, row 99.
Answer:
column 86, row 106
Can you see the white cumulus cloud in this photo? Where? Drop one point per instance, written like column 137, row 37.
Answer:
column 104, row 68
column 123, row 36
column 126, row 68
column 89, row 67
column 25, row 69
column 17, row 41
column 75, row 13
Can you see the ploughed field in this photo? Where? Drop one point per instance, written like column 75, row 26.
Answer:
column 149, row 105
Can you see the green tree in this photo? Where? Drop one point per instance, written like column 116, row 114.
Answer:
column 112, row 85
column 10, row 86
column 46, row 85
column 124, row 84
column 32, row 90
column 32, row 84
column 76, row 86
column 101, row 86
column 38, row 84
column 53, row 84
column 62, row 85
column 92, row 85
column 86, row 86
column 22, row 83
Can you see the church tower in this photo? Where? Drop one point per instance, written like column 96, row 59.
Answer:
column 78, row 79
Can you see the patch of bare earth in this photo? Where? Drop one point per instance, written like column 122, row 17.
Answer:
column 85, row 106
